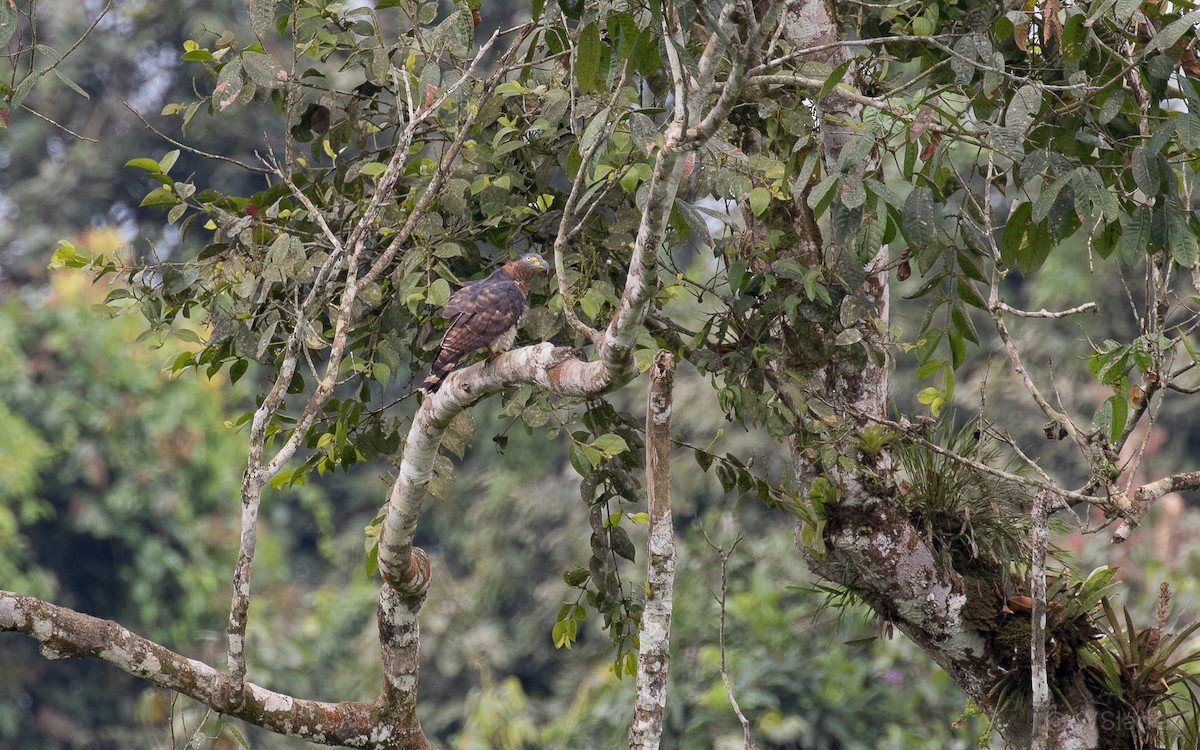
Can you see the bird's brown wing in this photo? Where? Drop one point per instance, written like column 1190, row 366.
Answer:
column 479, row 313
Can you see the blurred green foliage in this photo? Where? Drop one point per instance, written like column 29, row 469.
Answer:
column 120, row 489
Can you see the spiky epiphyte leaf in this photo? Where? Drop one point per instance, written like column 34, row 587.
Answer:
column 975, row 522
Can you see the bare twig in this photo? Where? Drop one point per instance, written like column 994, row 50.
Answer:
column 192, row 149
column 1044, row 313
column 747, row 739
column 57, row 124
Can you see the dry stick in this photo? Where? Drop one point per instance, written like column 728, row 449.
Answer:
column 192, row 149
column 746, row 738
column 655, row 638
column 1037, row 639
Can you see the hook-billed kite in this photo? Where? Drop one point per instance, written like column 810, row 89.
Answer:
column 484, row 313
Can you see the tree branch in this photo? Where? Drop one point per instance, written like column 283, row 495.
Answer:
column 65, row 633
column 1037, row 637
column 655, row 637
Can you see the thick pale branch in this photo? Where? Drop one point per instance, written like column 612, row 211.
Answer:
column 556, row 369
column 65, row 633
column 1037, row 637
column 655, row 637
column 1144, row 497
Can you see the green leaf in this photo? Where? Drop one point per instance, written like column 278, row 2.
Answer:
column 852, row 192
column 8, row 21
column 610, row 445
column 622, row 545
column 262, row 16
column 1092, row 197
column 833, row 80
column 23, row 88
column 168, row 161
column 230, row 83
column 1035, row 249
column 1145, row 171
column 1095, row 586
column 962, row 323
column 141, row 163
column 237, row 370
column 1135, row 236
column 158, row 196
column 1172, row 32
column 263, row 70
column 1023, row 108
column 760, row 198
column 595, row 128
column 919, row 217
column 1014, row 233
column 1181, row 241
column 438, row 293
column 931, row 397
column 587, row 57
column 68, row 81
column 1119, row 415
column 1049, row 194
column 821, row 196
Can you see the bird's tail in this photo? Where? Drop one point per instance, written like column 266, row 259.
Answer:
column 441, row 368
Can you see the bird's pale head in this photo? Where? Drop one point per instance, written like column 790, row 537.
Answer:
column 535, row 262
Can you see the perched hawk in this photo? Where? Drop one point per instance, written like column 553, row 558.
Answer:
column 484, row 313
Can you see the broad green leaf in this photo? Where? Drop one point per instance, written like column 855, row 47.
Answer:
column 963, row 64
column 1093, row 199
column 168, row 160
column 263, row 70
column 8, row 21
column 142, row 162
column 439, row 293
column 1035, row 249
column 593, row 131
column 1181, row 240
column 23, row 88
column 262, row 16
column 919, row 217
column 158, row 196
column 821, row 196
column 760, row 198
column 1135, row 236
column 1172, row 32
column 1047, row 197
column 1014, row 233
column 587, row 57
column 1145, row 170
column 230, row 83
column 1023, row 108
column 852, row 192
column 833, row 80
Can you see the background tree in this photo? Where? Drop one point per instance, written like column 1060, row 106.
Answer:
column 969, row 143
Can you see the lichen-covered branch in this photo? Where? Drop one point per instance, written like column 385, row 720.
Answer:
column 1037, row 637
column 65, row 633
column 655, row 638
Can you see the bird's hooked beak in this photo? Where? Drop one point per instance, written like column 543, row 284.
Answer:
column 538, row 262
